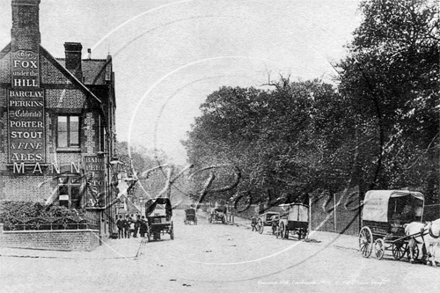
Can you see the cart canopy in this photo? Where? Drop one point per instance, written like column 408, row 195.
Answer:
column 151, row 204
column 383, row 205
column 295, row 211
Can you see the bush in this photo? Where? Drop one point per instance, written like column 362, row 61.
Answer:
column 13, row 211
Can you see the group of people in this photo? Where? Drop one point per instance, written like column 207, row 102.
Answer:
column 131, row 226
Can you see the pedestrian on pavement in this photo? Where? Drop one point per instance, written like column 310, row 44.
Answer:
column 143, row 227
column 131, row 231
column 120, row 225
column 254, row 223
column 127, row 226
column 137, row 225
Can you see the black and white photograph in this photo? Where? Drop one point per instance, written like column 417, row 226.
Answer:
column 243, row 146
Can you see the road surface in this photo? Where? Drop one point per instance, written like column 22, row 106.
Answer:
column 214, row 258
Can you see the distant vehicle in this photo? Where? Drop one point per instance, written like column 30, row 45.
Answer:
column 294, row 220
column 268, row 219
column 190, row 217
column 158, row 212
column 218, row 215
column 384, row 214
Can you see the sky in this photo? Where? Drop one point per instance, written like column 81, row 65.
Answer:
column 168, row 56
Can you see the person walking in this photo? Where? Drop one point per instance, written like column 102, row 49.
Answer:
column 137, row 224
column 127, row 227
column 143, row 227
column 120, row 225
column 131, row 231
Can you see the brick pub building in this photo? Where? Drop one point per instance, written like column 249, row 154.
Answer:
column 57, row 120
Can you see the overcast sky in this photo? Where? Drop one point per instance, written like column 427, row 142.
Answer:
column 168, row 56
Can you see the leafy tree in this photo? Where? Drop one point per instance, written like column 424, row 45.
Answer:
column 280, row 139
column 390, row 81
column 153, row 171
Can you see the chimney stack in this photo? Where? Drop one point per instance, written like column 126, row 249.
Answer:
column 25, row 30
column 73, row 59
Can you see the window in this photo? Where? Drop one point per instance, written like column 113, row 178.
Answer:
column 68, row 191
column 68, row 132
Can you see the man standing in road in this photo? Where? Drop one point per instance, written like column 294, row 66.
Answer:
column 127, row 223
column 137, row 224
column 143, row 227
column 120, row 225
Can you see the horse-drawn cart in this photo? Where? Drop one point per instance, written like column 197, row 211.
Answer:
column 218, row 215
column 190, row 216
column 384, row 214
column 270, row 218
column 158, row 213
column 294, row 219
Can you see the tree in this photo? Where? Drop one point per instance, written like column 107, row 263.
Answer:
column 281, row 139
column 390, row 81
column 154, row 173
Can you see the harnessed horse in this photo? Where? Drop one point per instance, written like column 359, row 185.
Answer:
column 426, row 234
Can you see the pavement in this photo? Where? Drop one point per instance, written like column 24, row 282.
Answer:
column 128, row 248
column 133, row 247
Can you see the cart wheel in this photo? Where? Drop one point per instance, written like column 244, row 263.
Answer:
column 398, row 250
column 415, row 250
column 379, row 248
column 171, row 231
column 260, row 226
column 305, row 233
column 365, row 241
column 286, row 234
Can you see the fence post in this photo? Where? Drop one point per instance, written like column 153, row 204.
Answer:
column 310, row 216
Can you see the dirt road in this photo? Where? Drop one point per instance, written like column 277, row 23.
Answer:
column 214, row 258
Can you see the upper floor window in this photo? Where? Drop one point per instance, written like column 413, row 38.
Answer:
column 68, row 131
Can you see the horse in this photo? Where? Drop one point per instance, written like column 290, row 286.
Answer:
column 426, row 234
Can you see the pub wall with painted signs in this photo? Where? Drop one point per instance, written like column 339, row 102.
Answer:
column 54, row 127
column 36, row 146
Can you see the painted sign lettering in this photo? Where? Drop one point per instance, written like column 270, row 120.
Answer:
column 26, row 126
column 25, row 69
column 94, row 169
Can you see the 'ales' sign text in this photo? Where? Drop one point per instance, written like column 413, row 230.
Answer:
column 26, row 115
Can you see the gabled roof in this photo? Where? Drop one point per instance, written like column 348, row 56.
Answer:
column 5, row 50
column 61, row 68
column 95, row 71
column 69, row 75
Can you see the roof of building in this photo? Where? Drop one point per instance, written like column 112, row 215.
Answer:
column 95, row 71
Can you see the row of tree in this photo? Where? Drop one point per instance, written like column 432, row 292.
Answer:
column 378, row 128
column 155, row 174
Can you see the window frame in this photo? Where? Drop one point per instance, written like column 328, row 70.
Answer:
column 70, row 183
column 70, row 146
